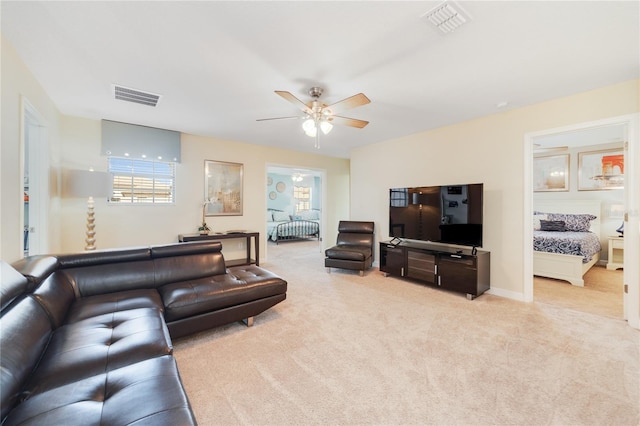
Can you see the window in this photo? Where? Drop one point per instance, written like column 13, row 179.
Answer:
column 302, row 195
column 139, row 181
column 399, row 197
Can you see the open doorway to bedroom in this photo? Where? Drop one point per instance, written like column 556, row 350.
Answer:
column 294, row 216
column 578, row 182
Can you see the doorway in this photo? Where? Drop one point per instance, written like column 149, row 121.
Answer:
column 627, row 128
column 294, row 194
column 35, row 181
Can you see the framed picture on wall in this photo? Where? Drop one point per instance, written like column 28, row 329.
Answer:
column 600, row 170
column 223, row 188
column 551, row 173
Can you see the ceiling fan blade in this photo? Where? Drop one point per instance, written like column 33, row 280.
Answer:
column 278, row 118
column 345, row 104
column 297, row 102
column 346, row 121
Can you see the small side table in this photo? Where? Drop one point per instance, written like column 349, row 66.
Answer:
column 616, row 253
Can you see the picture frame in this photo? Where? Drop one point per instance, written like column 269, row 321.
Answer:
column 551, row 173
column 223, row 184
column 601, row 170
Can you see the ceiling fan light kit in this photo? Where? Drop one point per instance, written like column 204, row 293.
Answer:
column 320, row 116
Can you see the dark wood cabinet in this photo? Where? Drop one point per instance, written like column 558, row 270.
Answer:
column 463, row 271
column 392, row 260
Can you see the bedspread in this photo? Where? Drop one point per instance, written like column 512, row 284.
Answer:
column 584, row 244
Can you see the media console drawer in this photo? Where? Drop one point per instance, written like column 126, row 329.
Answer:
column 421, row 266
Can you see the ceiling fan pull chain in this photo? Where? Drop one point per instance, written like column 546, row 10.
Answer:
column 317, row 146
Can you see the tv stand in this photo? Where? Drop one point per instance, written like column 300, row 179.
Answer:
column 464, row 271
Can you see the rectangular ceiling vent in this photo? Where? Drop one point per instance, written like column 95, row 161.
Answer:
column 447, row 16
column 135, row 96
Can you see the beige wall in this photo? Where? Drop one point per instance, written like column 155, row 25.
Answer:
column 122, row 225
column 18, row 83
column 74, row 143
column 488, row 150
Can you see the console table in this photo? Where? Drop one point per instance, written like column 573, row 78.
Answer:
column 228, row 236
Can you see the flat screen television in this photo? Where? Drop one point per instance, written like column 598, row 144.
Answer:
column 450, row 214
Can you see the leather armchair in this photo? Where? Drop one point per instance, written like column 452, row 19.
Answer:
column 354, row 247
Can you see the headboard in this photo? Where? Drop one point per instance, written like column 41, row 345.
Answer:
column 572, row 207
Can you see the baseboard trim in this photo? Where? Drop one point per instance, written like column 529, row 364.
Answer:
column 507, row 294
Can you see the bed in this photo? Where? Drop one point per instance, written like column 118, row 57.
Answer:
column 566, row 255
column 283, row 227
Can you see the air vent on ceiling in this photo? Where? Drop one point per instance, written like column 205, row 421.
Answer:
column 447, row 16
column 135, row 96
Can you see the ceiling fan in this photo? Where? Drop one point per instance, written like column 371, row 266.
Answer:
column 320, row 116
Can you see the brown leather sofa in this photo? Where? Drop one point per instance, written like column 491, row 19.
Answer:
column 86, row 338
column 354, row 247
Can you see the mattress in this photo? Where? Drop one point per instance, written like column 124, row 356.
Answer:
column 584, row 244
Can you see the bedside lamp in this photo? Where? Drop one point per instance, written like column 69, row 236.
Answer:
column 621, row 230
column 87, row 184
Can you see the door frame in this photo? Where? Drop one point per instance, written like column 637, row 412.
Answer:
column 632, row 209
column 35, row 149
column 323, row 198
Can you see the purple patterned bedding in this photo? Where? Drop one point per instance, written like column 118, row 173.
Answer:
column 585, row 244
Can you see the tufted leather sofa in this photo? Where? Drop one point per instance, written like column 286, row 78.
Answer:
column 86, row 338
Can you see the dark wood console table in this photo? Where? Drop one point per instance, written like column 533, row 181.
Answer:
column 227, row 236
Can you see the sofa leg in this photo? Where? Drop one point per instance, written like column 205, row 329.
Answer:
column 248, row 321
column 362, row 273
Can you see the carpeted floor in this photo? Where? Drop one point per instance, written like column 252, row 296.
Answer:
column 350, row 350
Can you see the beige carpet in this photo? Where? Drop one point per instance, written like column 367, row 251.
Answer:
column 350, row 350
column 601, row 294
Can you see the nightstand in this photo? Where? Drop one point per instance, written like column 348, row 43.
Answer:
column 616, row 253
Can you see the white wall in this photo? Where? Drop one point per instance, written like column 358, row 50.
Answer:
column 131, row 225
column 18, row 82
column 489, row 150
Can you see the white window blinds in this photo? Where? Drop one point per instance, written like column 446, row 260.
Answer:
column 138, row 181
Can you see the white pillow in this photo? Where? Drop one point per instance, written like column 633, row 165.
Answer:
column 280, row 216
column 269, row 216
column 536, row 221
column 310, row 215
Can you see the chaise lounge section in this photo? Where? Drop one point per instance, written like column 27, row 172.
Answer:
column 86, row 338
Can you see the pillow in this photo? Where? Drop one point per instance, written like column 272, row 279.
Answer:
column 280, row 216
column 574, row 222
column 552, row 225
column 310, row 215
column 536, row 221
column 269, row 216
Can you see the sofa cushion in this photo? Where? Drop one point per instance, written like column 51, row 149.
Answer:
column 183, row 268
column 240, row 285
column 102, row 343
column 56, row 295
column 111, row 277
column 145, row 393
column 14, row 284
column 36, row 268
column 349, row 252
column 101, row 304
column 25, row 333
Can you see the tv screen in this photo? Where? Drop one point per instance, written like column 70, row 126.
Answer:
column 449, row 214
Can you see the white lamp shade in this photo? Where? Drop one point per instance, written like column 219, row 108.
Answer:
column 326, row 127
column 85, row 183
column 309, row 127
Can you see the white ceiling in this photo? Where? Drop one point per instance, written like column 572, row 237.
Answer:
column 217, row 63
